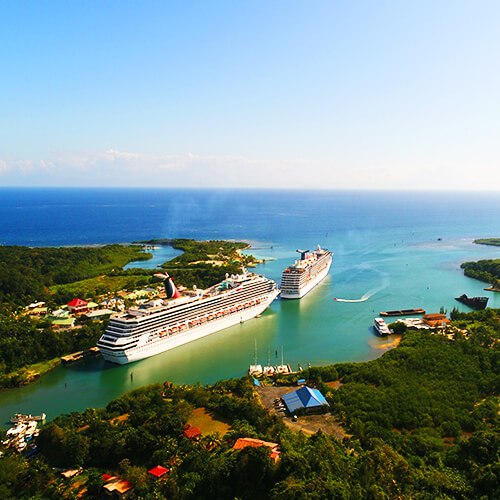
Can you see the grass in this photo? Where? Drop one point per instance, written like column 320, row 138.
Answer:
column 207, row 423
column 28, row 374
column 44, row 366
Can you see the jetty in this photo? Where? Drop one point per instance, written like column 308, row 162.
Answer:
column 71, row 358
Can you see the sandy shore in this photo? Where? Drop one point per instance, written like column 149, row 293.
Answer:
column 395, row 342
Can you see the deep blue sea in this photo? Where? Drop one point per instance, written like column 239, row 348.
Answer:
column 385, row 245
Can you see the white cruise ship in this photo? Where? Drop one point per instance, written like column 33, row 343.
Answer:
column 306, row 273
column 151, row 329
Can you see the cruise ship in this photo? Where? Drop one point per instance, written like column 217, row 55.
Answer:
column 305, row 273
column 156, row 327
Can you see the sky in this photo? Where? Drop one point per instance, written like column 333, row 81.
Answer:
column 282, row 94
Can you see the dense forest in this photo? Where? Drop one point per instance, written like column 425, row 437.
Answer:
column 484, row 270
column 57, row 275
column 27, row 273
column 24, row 341
column 423, row 423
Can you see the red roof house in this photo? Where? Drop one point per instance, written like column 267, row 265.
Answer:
column 193, row 433
column 116, row 487
column 78, row 306
column 255, row 443
column 158, row 471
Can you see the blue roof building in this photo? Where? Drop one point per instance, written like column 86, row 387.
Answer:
column 305, row 397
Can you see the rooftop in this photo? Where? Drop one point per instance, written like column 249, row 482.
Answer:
column 305, row 397
column 158, row 471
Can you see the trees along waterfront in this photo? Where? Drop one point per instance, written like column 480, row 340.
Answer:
column 58, row 275
column 423, row 421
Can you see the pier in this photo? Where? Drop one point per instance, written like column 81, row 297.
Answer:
column 76, row 356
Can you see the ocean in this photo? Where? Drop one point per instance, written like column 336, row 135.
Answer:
column 393, row 250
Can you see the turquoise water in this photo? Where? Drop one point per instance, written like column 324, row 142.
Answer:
column 160, row 254
column 386, row 251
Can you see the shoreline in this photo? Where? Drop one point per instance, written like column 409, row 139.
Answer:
column 32, row 373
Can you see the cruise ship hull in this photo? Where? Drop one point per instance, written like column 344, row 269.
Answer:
column 300, row 292
column 164, row 343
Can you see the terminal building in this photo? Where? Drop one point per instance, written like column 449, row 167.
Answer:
column 305, row 397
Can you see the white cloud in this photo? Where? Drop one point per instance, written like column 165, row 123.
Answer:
column 130, row 169
column 123, row 168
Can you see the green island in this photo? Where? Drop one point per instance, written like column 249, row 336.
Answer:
column 487, row 271
column 32, row 339
column 488, row 241
column 420, row 422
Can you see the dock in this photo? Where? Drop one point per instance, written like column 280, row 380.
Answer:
column 71, row 358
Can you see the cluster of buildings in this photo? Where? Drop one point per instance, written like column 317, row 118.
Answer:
column 64, row 316
column 435, row 320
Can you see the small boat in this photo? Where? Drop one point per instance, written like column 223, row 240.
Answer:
column 403, row 312
column 380, row 327
column 20, row 418
column 474, row 302
column 268, row 370
column 255, row 369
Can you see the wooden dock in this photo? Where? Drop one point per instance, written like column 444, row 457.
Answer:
column 76, row 356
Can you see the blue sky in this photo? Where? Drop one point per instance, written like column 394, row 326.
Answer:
column 293, row 94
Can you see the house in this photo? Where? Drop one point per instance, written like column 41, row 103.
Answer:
column 58, row 322
column 98, row 313
column 305, row 397
column 60, row 313
column 38, row 311
column 78, row 306
column 68, row 474
column 192, row 433
column 158, row 471
column 255, row 443
column 116, row 487
column 436, row 320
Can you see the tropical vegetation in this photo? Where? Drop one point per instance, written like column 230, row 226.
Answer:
column 422, row 419
column 484, row 270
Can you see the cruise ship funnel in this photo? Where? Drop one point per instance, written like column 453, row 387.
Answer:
column 170, row 288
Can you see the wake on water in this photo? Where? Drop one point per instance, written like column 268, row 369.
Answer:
column 367, row 295
column 362, row 299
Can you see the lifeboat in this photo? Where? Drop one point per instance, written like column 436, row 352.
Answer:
column 252, row 303
column 174, row 329
column 211, row 316
column 257, row 301
column 239, row 308
column 183, row 327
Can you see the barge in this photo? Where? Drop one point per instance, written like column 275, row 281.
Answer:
column 403, row 312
